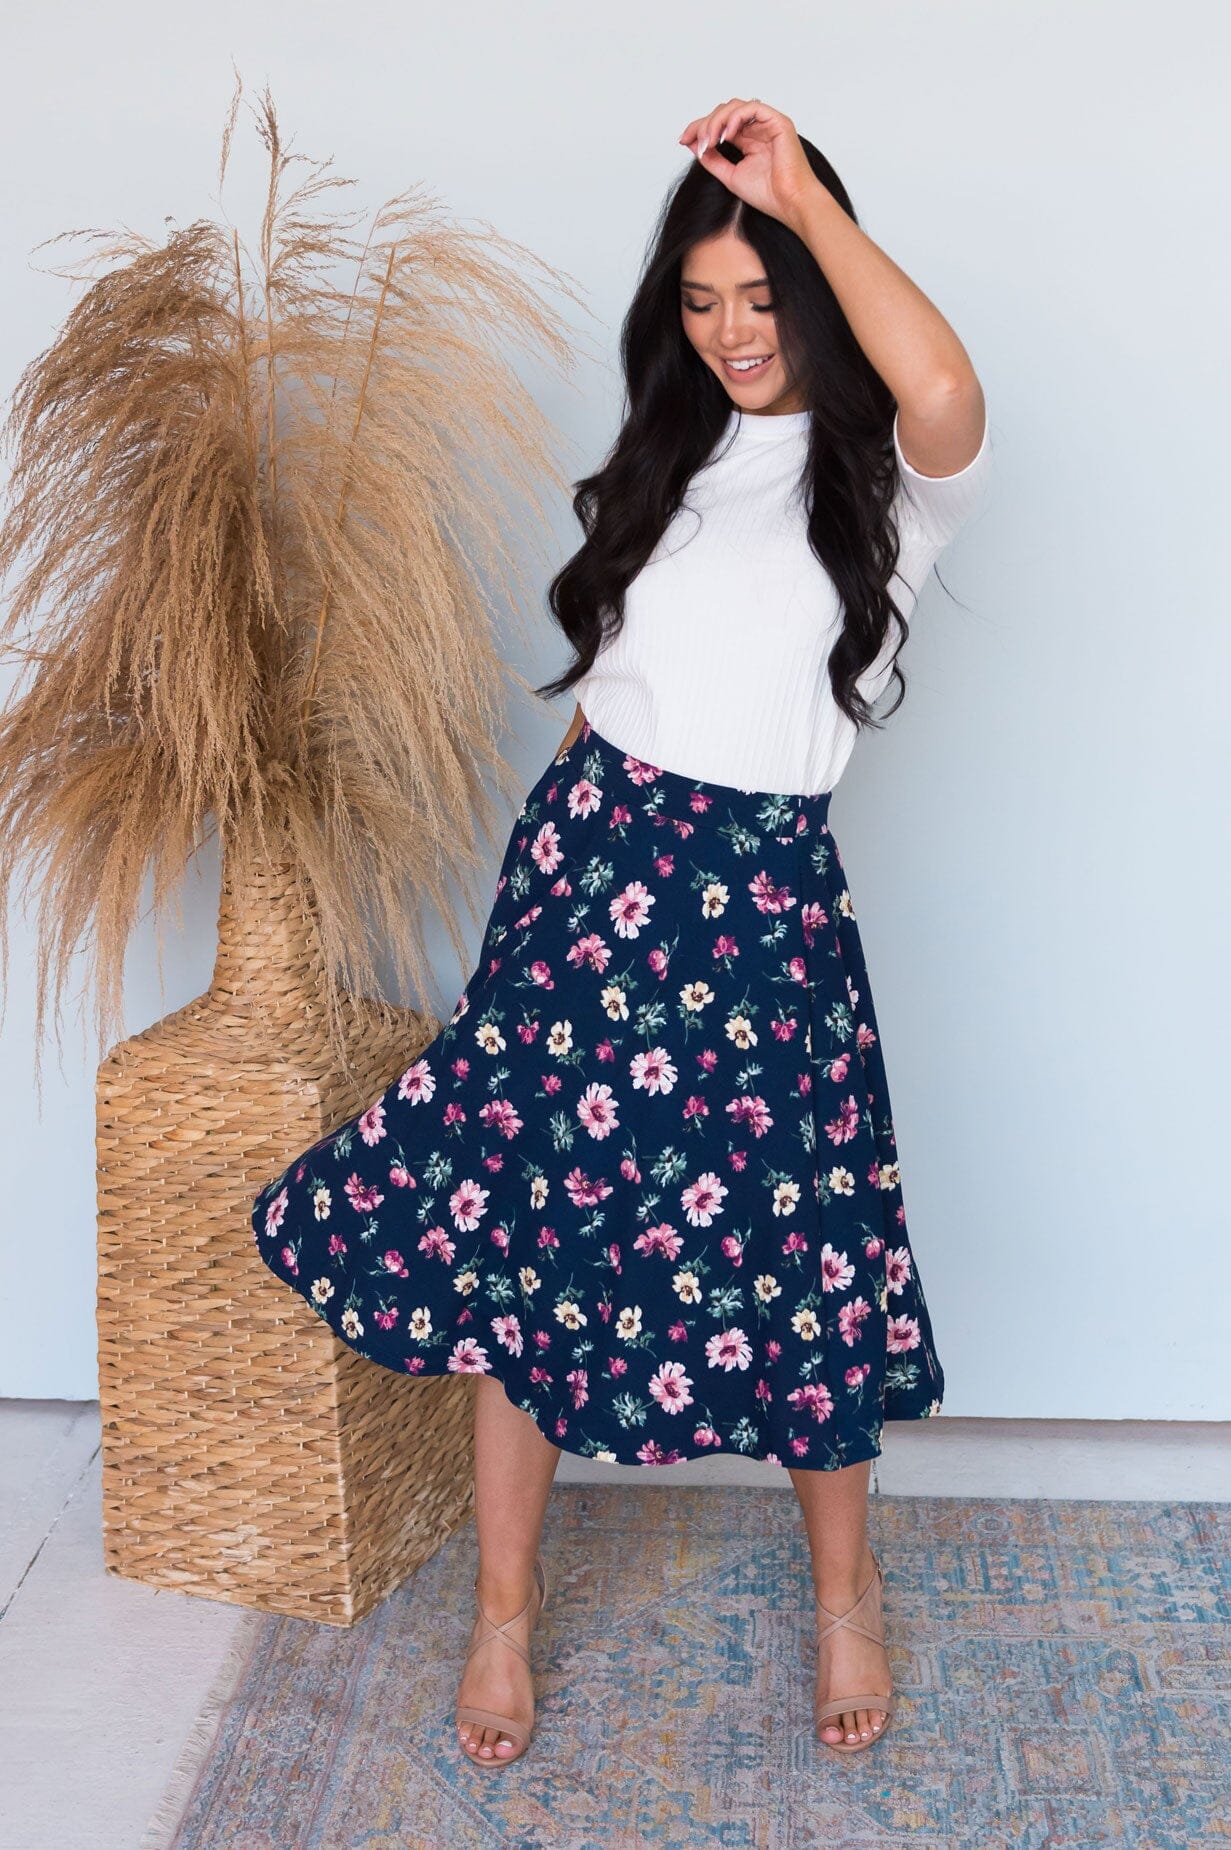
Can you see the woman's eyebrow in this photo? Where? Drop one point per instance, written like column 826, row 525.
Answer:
column 761, row 282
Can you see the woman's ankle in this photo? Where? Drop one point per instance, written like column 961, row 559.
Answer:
column 502, row 1593
column 836, row 1578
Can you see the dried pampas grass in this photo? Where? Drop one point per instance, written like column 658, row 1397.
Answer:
column 254, row 528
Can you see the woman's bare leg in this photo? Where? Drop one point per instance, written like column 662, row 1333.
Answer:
column 835, row 1507
column 513, row 1470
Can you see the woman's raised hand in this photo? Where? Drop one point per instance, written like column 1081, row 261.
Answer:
column 774, row 174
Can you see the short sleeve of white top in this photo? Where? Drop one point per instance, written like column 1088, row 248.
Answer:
column 720, row 671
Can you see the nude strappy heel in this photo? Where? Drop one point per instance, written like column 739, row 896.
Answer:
column 487, row 1718
column 839, row 1705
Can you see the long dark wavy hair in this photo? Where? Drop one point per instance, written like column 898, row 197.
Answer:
column 677, row 409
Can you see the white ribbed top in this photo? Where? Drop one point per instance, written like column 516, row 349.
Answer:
column 720, row 670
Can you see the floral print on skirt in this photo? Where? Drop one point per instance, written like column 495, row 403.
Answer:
column 646, row 1174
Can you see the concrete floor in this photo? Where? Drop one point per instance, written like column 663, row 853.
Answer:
column 101, row 1679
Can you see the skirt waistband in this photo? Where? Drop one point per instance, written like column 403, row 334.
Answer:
column 778, row 809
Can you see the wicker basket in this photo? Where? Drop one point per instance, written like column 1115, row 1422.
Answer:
column 248, row 1454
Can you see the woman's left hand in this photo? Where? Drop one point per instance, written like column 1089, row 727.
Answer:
column 774, row 176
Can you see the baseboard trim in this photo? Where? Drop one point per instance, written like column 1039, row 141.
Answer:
column 1143, row 1460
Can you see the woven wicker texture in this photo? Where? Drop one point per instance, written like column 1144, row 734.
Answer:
column 248, row 1454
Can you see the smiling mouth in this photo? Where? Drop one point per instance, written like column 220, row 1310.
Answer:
column 747, row 369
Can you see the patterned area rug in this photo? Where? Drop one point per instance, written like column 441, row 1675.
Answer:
column 1062, row 1674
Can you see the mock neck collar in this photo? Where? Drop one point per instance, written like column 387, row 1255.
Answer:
column 761, row 427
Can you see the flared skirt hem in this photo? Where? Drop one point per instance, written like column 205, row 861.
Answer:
column 558, row 1423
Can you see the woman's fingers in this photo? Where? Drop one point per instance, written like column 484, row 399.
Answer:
column 740, row 117
column 723, row 123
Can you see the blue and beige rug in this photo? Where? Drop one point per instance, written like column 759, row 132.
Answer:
column 1062, row 1668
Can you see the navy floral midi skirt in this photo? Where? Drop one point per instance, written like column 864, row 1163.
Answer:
column 646, row 1174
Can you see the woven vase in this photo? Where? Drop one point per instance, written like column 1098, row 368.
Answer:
column 248, row 1454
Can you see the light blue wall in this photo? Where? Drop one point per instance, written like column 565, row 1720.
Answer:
column 1037, row 844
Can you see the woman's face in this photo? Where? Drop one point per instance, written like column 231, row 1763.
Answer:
column 727, row 311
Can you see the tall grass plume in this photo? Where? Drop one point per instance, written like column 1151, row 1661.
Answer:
column 256, row 545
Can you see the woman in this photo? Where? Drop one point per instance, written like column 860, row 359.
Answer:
column 644, row 1182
